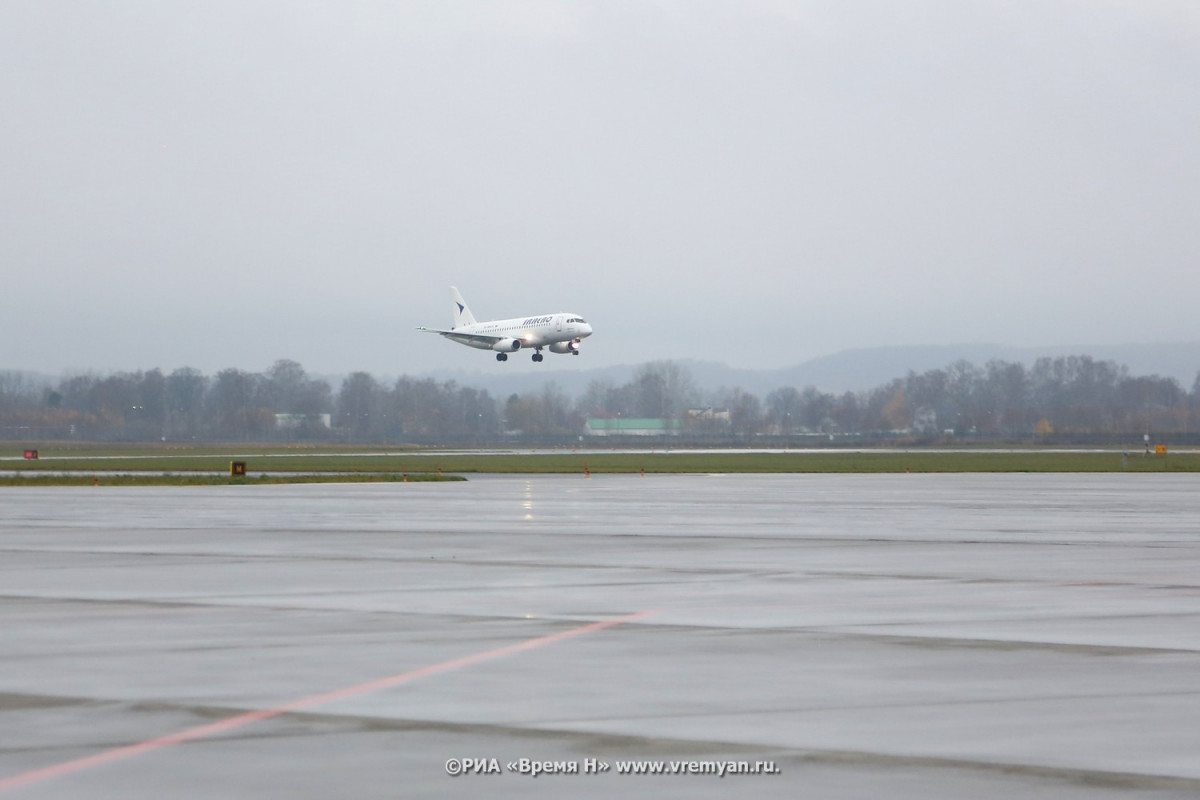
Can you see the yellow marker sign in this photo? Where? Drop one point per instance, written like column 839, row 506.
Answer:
column 1160, row 449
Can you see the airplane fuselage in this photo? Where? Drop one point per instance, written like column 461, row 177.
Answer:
column 532, row 332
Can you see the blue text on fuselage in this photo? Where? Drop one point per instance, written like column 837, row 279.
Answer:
column 536, row 320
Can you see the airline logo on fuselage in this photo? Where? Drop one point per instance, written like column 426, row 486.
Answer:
column 537, row 320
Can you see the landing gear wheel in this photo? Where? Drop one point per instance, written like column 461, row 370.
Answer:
column 537, row 356
column 502, row 356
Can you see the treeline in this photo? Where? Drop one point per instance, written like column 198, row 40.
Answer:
column 1073, row 398
column 282, row 404
column 1068, row 398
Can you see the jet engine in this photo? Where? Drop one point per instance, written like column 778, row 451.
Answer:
column 507, row 345
column 565, row 347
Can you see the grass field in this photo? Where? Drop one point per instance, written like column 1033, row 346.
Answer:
column 326, row 463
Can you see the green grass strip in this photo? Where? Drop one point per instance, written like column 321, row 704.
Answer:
column 397, row 463
column 42, row 479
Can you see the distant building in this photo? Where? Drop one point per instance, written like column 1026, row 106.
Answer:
column 291, row 422
column 925, row 421
column 717, row 415
column 631, row 426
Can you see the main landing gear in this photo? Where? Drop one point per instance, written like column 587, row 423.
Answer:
column 537, row 356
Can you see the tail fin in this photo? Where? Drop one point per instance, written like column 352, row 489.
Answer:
column 462, row 314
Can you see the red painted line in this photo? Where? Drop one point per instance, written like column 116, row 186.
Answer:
column 237, row 721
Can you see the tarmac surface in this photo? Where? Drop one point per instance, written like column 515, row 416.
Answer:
column 907, row 636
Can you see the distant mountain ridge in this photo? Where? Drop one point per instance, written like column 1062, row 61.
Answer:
column 854, row 370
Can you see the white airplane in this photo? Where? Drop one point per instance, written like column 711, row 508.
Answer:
column 560, row 333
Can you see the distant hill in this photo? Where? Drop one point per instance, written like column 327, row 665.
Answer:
column 855, row 370
column 849, row 370
column 866, row 368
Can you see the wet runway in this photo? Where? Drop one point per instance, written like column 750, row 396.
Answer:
column 844, row 635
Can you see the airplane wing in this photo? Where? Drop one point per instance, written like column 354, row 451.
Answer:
column 465, row 338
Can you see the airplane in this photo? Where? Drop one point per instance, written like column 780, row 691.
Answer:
column 559, row 333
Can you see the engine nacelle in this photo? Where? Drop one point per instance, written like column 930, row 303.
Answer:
column 507, row 345
column 565, row 347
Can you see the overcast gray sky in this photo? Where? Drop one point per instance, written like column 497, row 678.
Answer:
column 217, row 184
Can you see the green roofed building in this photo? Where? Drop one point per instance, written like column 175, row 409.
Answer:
column 632, row 426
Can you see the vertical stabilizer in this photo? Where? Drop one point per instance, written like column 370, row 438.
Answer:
column 462, row 314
